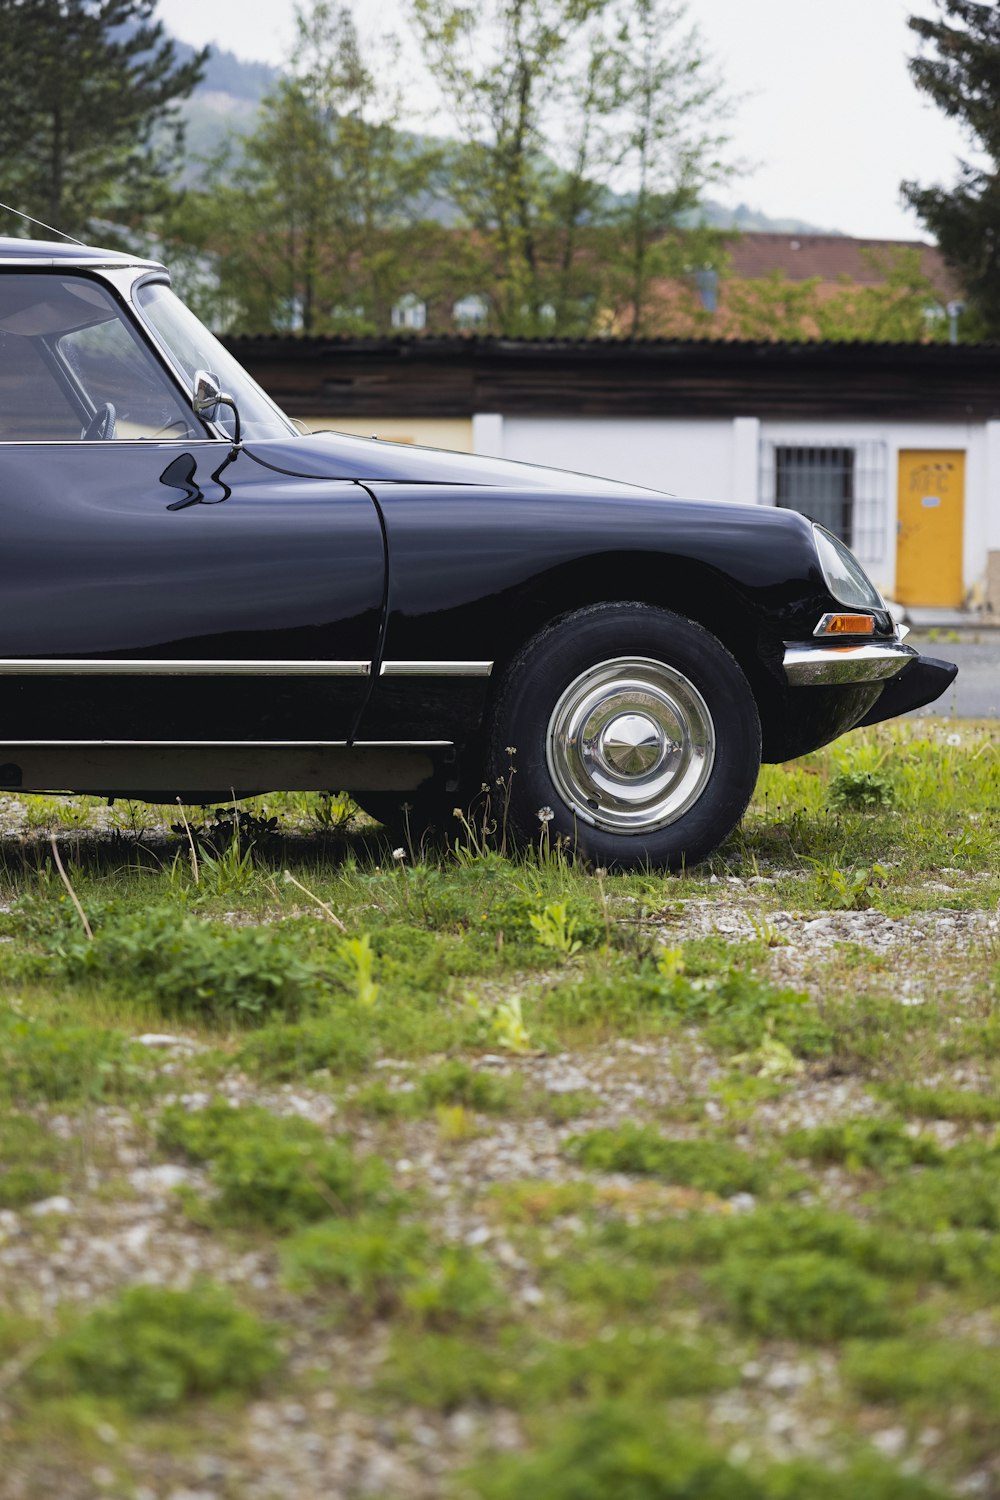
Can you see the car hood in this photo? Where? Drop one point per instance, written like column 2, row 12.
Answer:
column 339, row 455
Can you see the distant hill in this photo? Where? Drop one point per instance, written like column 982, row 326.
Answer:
column 228, row 98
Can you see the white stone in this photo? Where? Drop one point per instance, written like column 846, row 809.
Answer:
column 57, row 1205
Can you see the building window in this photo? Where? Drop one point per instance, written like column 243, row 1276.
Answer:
column 410, row 312
column 471, row 311
column 840, row 485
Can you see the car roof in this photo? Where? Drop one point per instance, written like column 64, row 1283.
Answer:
column 55, row 252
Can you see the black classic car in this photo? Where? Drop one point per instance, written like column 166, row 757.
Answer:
column 200, row 600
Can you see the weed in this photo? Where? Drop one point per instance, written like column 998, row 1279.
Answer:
column 942, row 1104
column 866, row 1475
column 847, row 890
column 865, row 1145
column 807, row 1295
column 963, row 1194
column 712, row 1166
column 339, row 1042
column 153, row 1348
column 554, row 928
column 612, row 1448
column 29, row 1158
column 918, row 1373
column 383, row 1268
column 69, row 1064
column 861, row 789
column 271, row 1170
column 360, row 962
column 188, row 966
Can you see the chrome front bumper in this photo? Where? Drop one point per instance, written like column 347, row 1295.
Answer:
column 823, row 666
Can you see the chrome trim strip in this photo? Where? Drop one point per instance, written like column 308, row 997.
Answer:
column 809, row 666
column 435, row 669
column 75, row 666
column 9, row 745
column 835, row 614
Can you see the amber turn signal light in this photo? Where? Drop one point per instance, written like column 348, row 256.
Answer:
column 845, row 625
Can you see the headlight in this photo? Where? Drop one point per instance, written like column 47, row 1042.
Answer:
column 845, row 577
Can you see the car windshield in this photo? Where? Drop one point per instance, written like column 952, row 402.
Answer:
column 191, row 347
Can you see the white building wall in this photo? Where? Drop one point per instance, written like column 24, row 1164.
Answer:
column 689, row 458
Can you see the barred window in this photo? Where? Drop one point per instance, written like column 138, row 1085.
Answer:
column 840, row 485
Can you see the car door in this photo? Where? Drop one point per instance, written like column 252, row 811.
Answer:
column 165, row 587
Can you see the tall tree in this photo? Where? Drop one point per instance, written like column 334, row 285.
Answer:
column 320, row 225
column 583, row 139
column 673, row 110
column 961, row 73
column 89, row 127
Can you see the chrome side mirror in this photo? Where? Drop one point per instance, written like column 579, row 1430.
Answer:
column 207, row 396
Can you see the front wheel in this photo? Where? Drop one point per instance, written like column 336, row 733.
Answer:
column 635, row 729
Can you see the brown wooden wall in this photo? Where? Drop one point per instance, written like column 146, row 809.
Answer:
column 457, row 377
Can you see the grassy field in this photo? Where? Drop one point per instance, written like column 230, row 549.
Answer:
column 333, row 1170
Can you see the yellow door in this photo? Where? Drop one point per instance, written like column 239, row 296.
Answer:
column 929, row 527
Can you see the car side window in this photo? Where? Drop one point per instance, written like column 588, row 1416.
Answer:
column 32, row 406
column 72, row 366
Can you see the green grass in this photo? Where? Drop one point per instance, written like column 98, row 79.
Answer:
column 593, row 1160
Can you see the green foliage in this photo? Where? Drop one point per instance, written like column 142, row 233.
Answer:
column 554, row 928
column 30, row 1157
column 338, row 1041
column 615, row 1449
column 808, row 1295
column 382, row 1267
column 962, row 1194
column 360, row 961
column 922, row 1372
column 848, row 890
column 68, row 1063
column 957, row 68
column 865, row 1145
column 451, row 1082
column 153, row 1348
column 273, row 1170
column 712, row 1166
column 861, row 789
column 190, row 966
column 89, row 128
column 865, row 1475
column 962, row 1105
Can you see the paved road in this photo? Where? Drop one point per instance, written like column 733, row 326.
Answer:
column 975, row 693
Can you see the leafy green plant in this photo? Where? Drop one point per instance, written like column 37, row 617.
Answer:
column 30, row 1157
column 615, row 1449
column 862, row 1144
column 69, row 1063
column 339, row 1041
column 808, row 1295
column 862, row 789
column 942, row 1103
column 273, row 1170
column 713, row 1166
column 360, row 962
column 153, row 1348
column 190, row 966
column 382, row 1267
column 554, row 928
column 847, row 890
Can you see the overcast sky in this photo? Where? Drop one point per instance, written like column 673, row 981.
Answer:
column 829, row 120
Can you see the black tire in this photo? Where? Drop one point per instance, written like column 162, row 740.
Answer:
column 636, row 728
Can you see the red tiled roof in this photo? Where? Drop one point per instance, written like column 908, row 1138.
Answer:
column 831, row 257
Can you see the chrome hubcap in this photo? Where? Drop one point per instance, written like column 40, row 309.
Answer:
column 630, row 745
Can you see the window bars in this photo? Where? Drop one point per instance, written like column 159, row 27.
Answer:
column 840, row 485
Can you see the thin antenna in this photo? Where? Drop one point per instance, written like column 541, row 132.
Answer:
column 22, row 215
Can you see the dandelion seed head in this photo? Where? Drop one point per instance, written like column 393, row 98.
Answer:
column 399, row 854
column 545, row 815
